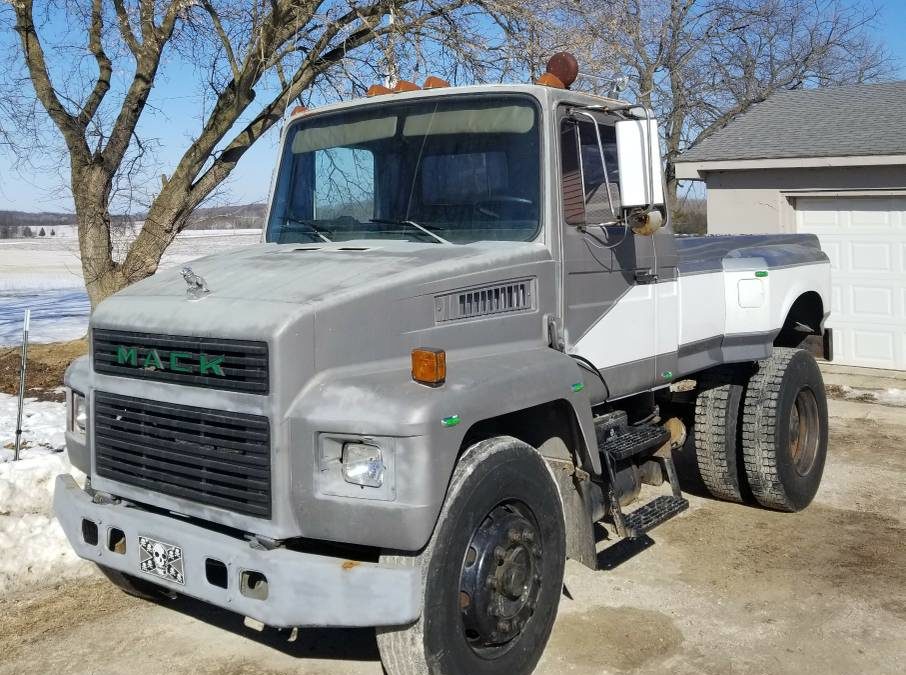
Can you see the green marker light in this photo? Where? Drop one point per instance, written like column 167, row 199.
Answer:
column 450, row 421
column 578, row 386
column 761, row 274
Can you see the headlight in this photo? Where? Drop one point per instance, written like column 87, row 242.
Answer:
column 78, row 413
column 363, row 464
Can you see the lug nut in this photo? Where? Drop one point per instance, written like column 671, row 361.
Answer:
column 503, row 626
column 528, row 536
column 515, row 536
column 491, row 583
column 499, row 554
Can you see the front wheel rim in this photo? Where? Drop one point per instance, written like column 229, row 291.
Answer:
column 500, row 579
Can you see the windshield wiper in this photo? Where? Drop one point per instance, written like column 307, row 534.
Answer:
column 312, row 228
column 410, row 223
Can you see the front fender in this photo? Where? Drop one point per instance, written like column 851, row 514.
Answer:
column 422, row 427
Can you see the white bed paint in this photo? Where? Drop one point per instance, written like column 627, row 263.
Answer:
column 654, row 319
column 626, row 333
column 703, row 310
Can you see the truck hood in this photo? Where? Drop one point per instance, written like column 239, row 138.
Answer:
column 253, row 287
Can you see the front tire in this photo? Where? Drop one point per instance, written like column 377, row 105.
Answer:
column 784, row 436
column 492, row 572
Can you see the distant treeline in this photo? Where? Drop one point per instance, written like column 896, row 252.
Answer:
column 20, row 224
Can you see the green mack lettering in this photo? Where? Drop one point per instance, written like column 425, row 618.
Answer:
column 126, row 355
column 174, row 362
column 152, row 361
column 212, row 364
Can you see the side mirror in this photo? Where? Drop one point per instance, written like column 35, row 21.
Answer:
column 639, row 159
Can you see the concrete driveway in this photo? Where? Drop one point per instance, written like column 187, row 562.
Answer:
column 721, row 589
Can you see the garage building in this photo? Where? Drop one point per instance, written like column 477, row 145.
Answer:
column 830, row 162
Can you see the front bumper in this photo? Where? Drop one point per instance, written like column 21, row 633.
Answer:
column 303, row 589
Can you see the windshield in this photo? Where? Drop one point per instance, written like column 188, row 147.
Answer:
column 451, row 169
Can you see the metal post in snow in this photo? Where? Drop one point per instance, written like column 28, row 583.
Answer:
column 22, row 382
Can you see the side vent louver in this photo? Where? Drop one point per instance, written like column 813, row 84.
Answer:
column 502, row 298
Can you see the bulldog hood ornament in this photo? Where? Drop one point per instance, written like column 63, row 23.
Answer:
column 197, row 287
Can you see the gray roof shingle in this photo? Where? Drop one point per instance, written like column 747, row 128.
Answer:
column 855, row 120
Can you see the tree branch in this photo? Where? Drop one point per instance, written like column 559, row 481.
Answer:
column 105, row 67
column 33, row 53
column 224, row 38
column 126, row 27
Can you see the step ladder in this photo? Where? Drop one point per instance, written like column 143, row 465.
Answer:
column 616, row 443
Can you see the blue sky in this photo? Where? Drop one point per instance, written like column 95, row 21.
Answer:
column 176, row 118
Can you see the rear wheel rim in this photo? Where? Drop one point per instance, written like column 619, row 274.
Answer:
column 500, row 579
column 805, row 431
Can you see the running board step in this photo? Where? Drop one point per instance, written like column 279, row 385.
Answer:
column 634, row 440
column 655, row 512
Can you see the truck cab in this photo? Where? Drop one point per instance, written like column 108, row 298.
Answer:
column 467, row 336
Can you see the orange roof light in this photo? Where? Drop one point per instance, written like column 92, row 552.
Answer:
column 432, row 82
column 378, row 90
column 429, row 366
column 298, row 110
column 550, row 80
column 405, row 85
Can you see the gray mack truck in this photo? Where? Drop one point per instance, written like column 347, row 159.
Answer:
column 468, row 336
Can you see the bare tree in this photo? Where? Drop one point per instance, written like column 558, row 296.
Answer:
column 700, row 63
column 253, row 59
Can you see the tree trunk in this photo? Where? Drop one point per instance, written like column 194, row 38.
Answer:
column 672, row 182
column 91, row 191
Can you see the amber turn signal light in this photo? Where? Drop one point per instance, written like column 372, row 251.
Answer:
column 550, row 80
column 378, row 90
column 405, row 85
column 434, row 82
column 429, row 366
column 298, row 110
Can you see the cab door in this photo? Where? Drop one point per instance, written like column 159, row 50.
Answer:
column 609, row 290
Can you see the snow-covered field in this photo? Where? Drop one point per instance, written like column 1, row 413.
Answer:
column 33, row 548
column 45, row 275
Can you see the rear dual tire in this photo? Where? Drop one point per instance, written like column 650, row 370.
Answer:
column 784, row 430
column 764, row 431
column 718, row 409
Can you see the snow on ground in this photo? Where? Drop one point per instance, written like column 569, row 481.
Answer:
column 33, row 548
column 45, row 275
column 890, row 396
column 57, row 314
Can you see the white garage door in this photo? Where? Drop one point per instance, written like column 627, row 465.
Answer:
column 865, row 238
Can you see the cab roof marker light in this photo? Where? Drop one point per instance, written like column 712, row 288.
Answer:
column 434, row 82
column 450, row 421
column 405, row 85
column 378, row 90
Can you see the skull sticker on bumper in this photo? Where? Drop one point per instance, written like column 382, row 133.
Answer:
column 161, row 560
